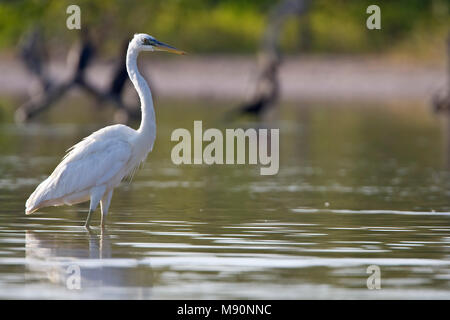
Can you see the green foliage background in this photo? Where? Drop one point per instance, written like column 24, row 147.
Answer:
column 235, row 26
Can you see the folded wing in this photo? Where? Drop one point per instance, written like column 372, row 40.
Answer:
column 90, row 163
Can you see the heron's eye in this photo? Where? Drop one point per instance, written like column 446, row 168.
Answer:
column 146, row 41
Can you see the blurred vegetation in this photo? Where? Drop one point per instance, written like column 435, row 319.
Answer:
column 235, row 26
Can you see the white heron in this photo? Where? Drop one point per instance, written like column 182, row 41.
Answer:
column 96, row 165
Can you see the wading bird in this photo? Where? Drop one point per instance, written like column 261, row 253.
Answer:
column 95, row 166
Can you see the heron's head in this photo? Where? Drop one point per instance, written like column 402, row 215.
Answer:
column 145, row 42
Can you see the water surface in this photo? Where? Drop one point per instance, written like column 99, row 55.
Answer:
column 358, row 186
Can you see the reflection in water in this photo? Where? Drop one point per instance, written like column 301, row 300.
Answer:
column 83, row 264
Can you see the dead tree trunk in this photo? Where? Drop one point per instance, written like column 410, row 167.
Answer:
column 35, row 61
column 267, row 89
column 441, row 102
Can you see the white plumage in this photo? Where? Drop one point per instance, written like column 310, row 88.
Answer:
column 98, row 160
column 95, row 166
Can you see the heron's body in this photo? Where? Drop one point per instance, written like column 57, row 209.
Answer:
column 95, row 166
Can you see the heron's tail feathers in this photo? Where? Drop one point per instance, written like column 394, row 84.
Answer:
column 37, row 199
column 32, row 205
column 29, row 211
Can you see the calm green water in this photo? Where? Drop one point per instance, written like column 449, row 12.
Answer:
column 357, row 186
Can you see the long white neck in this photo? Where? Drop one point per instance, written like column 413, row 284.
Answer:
column 147, row 128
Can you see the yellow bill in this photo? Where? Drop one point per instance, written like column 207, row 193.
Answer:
column 160, row 46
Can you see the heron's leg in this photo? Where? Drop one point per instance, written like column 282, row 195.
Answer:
column 104, row 204
column 88, row 220
column 96, row 195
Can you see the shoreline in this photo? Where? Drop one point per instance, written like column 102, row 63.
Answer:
column 221, row 77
